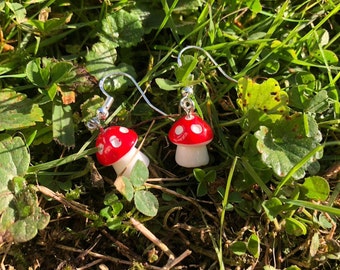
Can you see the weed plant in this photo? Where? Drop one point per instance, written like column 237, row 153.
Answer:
column 268, row 199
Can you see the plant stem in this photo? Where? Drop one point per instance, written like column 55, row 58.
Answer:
column 224, row 206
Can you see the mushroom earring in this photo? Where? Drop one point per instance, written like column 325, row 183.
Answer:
column 191, row 133
column 116, row 144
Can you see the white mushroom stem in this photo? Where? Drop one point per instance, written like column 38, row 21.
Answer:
column 192, row 156
column 129, row 160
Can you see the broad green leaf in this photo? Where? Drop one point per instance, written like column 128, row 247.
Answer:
column 14, row 159
column 326, row 56
column 254, row 5
column 301, row 90
column 119, row 83
column 38, row 72
column 43, row 134
column 318, row 103
column 183, row 72
column 46, row 74
column 52, row 91
column 17, row 111
column 266, row 97
column 150, row 16
column 6, row 198
column 272, row 67
column 255, row 119
column 146, row 203
column 139, row 174
column 210, row 176
column 167, row 85
column 124, row 186
column 253, row 245
column 22, row 217
column 122, row 29
column 18, row 10
column 202, row 189
column 101, row 59
column 287, row 142
column 7, row 218
column 316, row 188
column 199, row 174
column 239, row 248
column 63, row 127
column 61, row 72
column 25, row 229
column 272, row 207
column 295, row 227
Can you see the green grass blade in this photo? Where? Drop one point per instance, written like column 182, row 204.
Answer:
column 313, row 206
column 61, row 161
column 224, row 206
column 256, row 177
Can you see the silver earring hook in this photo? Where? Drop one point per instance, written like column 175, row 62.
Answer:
column 179, row 61
column 186, row 102
column 103, row 111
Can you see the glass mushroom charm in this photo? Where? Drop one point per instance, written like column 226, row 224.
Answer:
column 116, row 144
column 191, row 134
column 116, row 147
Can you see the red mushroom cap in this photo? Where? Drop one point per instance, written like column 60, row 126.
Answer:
column 191, row 130
column 113, row 143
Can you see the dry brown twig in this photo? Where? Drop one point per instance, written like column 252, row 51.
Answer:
column 172, row 261
column 78, row 207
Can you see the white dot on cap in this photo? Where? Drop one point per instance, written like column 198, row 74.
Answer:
column 115, row 142
column 123, row 130
column 100, row 148
column 179, row 130
column 197, row 129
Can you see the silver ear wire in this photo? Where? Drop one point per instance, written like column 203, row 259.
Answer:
column 186, row 102
column 179, row 61
column 103, row 111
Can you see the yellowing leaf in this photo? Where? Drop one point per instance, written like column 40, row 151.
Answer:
column 67, row 96
column 266, row 97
